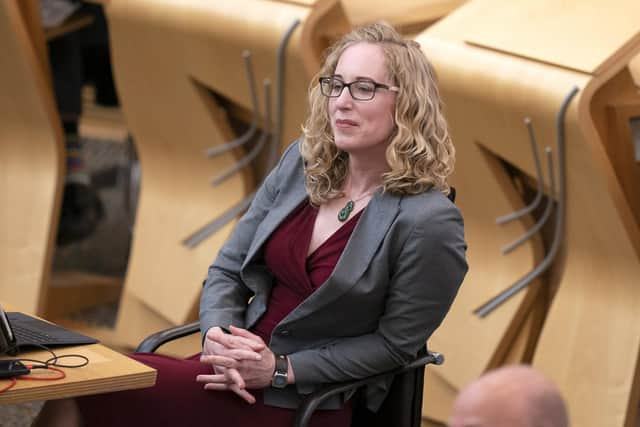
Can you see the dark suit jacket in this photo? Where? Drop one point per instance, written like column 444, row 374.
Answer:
column 391, row 288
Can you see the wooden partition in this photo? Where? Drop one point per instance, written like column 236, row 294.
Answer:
column 499, row 63
column 31, row 166
column 634, row 69
column 407, row 16
column 180, row 74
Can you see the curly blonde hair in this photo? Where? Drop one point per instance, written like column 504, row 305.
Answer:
column 420, row 154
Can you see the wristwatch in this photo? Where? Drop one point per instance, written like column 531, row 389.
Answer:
column 281, row 373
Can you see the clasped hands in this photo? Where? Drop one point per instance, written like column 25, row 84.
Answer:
column 240, row 360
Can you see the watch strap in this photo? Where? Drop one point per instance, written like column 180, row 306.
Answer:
column 282, row 364
column 281, row 372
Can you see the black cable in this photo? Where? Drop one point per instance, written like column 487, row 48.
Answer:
column 53, row 360
column 85, row 361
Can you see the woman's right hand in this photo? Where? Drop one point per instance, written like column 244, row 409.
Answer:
column 217, row 343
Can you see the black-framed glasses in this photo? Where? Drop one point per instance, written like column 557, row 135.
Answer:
column 360, row 90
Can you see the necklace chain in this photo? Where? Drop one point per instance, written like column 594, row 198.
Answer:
column 357, row 199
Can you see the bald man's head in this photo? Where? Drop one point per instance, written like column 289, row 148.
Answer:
column 511, row 396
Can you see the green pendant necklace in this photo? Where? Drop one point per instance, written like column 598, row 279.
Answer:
column 345, row 212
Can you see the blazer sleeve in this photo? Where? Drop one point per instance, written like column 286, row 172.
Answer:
column 225, row 296
column 429, row 270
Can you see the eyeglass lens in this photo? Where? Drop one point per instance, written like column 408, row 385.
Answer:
column 362, row 90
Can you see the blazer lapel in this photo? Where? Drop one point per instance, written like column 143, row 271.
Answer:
column 371, row 229
column 286, row 201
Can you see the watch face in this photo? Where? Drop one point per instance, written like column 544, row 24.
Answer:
column 279, row 380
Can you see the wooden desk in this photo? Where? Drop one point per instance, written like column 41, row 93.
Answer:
column 107, row 371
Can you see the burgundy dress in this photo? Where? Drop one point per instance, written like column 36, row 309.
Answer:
column 178, row 400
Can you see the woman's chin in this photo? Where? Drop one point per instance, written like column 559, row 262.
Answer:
column 346, row 143
column 360, row 147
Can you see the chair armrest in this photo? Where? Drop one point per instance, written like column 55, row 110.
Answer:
column 152, row 342
column 311, row 402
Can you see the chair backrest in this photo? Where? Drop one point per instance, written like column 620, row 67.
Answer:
column 401, row 408
column 452, row 194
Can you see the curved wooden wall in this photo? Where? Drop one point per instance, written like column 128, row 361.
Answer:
column 408, row 16
column 31, row 166
column 499, row 63
column 170, row 57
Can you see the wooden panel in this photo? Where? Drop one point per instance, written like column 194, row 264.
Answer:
column 172, row 126
column 597, row 304
column 577, row 34
column 634, row 69
column 30, row 11
column 612, row 108
column 401, row 13
column 173, row 60
column 522, row 348
column 73, row 291
column 30, row 167
column 137, row 320
column 438, row 397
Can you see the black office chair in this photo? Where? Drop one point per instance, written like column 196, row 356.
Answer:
column 401, row 408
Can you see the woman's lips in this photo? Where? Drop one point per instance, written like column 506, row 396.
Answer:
column 343, row 123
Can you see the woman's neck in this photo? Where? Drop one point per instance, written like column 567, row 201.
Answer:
column 363, row 176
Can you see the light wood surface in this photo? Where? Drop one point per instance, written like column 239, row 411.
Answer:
column 548, row 31
column 106, row 372
column 634, row 69
column 30, row 11
column 172, row 61
column 402, row 14
column 590, row 340
column 438, row 396
column 31, row 166
column 73, row 291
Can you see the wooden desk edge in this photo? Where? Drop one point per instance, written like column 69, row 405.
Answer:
column 63, row 390
column 127, row 374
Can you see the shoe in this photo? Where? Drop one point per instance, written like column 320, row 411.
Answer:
column 81, row 212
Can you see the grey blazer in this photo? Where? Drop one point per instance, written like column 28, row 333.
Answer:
column 390, row 289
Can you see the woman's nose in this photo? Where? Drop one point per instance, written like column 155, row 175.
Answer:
column 344, row 100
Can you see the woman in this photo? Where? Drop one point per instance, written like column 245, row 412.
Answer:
column 347, row 260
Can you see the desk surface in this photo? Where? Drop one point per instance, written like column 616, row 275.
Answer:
column 107, row 371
